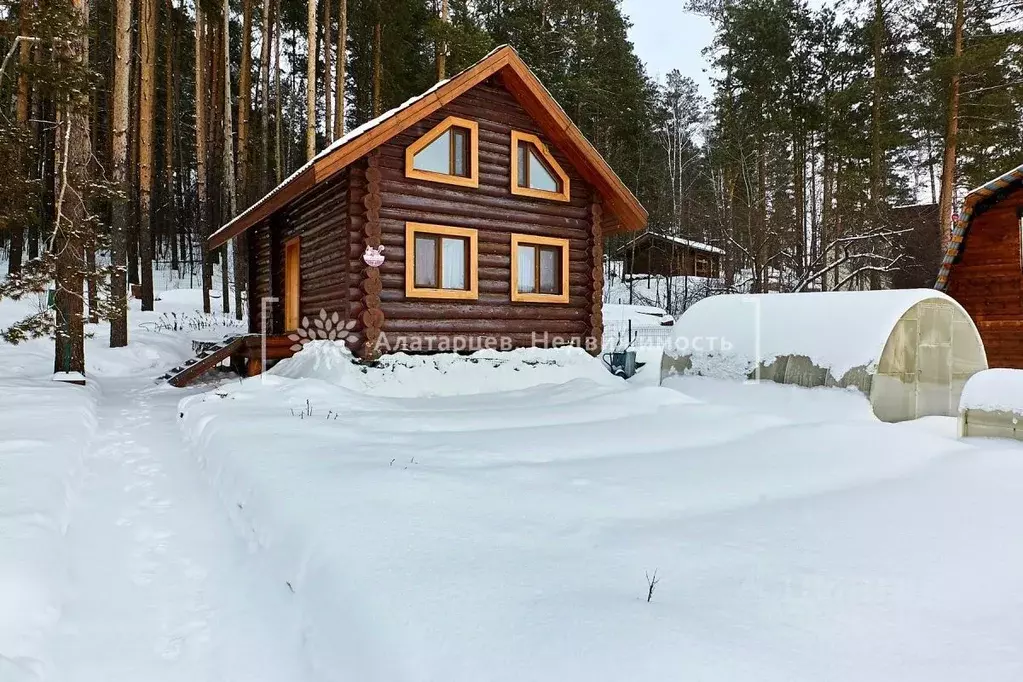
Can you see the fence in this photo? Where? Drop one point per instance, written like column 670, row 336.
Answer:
column 619, row 335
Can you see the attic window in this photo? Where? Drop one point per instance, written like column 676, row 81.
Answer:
column 535, row 172
column 448, row 153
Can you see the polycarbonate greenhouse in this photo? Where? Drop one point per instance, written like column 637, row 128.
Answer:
column 910, row 351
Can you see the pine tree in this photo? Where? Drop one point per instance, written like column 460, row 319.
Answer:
column 147, row 31
column 341, row 79
column 202, row 215
column 310, row 99
column 119, row 160
column 72, row 227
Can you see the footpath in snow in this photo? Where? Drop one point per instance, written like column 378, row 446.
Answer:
column 117, row 562
column 161, row 587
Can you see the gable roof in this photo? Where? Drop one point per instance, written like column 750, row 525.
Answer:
column 955, row 245
column 672, row 239
column 520, row 81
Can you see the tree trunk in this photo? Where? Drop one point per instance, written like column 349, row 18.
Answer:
column 310, row 86
column 133, row 165
column 328, row 73
column 244, row 106
column 948, row 165
column 71, row 227
column 231, row 206
column 24, row 165
column 377, row 75
column 264, row 96
column 170, row 196
column 201, row 217
column 119, row 163
column 340, row 85
column 147, row 47
column 278, row 176
column 876, row 152
column 442, row 46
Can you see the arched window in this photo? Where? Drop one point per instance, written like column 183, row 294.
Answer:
column 449, row 153
column 535, row 172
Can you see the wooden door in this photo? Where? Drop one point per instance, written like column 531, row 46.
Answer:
column 292, row 284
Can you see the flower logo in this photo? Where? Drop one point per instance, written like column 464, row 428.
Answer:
column 323, row 328
column 374, row 257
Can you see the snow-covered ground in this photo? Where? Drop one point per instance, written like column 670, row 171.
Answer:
column 486, row 519
column 117, row 563
column 508, row 535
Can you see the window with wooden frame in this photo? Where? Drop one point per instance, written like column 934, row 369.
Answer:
column 441, row 262
column 702, row 266
column 539, row 269
column 534, row 172
column 449, row 153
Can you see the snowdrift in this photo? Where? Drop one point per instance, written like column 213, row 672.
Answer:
column 992, row 404
column 909, row 351
column 39, row 469
column 400, row 375
column 506, row 536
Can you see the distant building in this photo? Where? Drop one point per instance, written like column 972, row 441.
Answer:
column 983, row 267
column 921, row 245
column 653, row 253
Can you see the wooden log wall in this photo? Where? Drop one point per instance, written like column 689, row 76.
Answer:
column 372, row 317
column 260, row 267
column 495, row 213
column 648, row 258
column 320, row 220
column 597, row 259
column 987, row 279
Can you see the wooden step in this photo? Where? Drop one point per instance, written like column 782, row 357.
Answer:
column 201, row 364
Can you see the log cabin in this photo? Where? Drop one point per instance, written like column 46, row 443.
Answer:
column 983, row 266
column 472, row 216
column 656, row 253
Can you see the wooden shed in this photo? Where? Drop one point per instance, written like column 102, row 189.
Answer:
column 472, row 216
column 983, row 266
column 656, row 253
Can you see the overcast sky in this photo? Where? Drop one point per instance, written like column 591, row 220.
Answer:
column 667, row 37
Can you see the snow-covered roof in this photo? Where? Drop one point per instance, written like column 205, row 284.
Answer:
column 995, row 390
column 919, row 204
column 837, row 330
column 699, row 246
